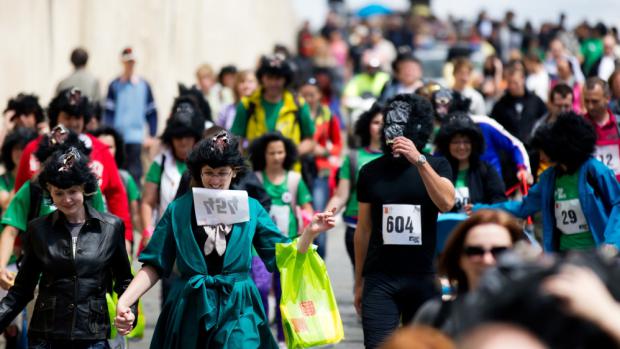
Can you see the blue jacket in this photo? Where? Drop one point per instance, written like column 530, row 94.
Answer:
column 599, row 195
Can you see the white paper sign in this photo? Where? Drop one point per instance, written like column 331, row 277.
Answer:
column 609, row 155
column 569, row 217
column 214, row 206
column 402, row 225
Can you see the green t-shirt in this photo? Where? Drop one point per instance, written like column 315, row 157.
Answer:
column 277, row 193
column 272, row 110
column 153, row 175
column 364, row 156
column 133, row 193
column 591, row 49
column 569, row 217
column 16, row 214
column 461, row 179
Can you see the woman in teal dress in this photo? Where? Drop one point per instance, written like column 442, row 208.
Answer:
column 215, row 303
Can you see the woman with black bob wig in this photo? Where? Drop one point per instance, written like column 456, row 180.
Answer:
column 214, row 303
column 10, row 153
column 579, row 196
column 73, row 254
column 461, row 142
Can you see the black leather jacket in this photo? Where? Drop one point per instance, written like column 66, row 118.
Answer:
column 71, row 303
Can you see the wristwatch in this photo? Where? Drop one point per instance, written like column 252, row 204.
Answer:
column 421, row 160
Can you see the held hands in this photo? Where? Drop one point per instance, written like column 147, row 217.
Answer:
column 405, row 147
column 7, row 278
column 124, row 319
column 322, row 222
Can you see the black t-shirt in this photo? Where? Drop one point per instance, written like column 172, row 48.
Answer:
column 389, row 180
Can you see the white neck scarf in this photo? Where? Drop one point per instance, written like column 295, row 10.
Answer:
column 216, row 238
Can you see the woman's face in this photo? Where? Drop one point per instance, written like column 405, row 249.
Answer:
column 482, row 245
column 69, row 201
column 108, row 140
column 311, row 94
column 217, row 178
column 376, row 125
column 275, row 155
column 460, row 147
column 247, row 86
column 182, row 146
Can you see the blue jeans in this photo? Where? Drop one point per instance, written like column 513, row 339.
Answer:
column 388, row 300
column 67, row 344
column 320, row 196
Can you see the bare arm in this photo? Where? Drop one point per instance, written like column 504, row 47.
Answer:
column 143, row 281
column 440, row 189
column 360, row 240
column 149, row 203
column 306, row 146
column 341, row 195
column 7, row 240
column 320, row 222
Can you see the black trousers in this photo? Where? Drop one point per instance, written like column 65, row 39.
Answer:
column 134, row 161
column 389, row 299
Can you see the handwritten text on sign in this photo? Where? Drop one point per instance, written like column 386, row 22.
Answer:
column 214, row 206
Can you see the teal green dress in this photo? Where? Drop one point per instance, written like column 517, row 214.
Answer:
column 228, row 305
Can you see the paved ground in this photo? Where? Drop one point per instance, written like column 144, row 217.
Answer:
column 340, row 273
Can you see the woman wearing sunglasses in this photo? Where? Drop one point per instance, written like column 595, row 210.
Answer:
column 214, row 303
column 472, row 248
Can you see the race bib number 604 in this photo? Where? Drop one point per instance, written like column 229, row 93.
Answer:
column 402, row 225
column 220, row 206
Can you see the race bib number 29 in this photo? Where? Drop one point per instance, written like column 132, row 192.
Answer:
column 402, row 225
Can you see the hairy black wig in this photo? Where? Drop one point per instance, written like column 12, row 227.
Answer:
column 17, row 139
column 119, row 143
column 459, row 123
column 362, row 126
column 275, row 65
column 72, row 102
column 419, row 125
column 572, row 140
column 217, row 151
column 51, row 143
column 24, row 104
column 258, row 148
column 186, row 120
column 66, row 168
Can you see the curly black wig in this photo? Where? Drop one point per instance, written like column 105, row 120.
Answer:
column 217, row 151
column 362, row 126
column 459, row 123
column 17, row 139
column 275, row 65
column 572, row 140
column 47, row 146
column 197, row 95
column 25, row 104
column 420, row 123
column 259, row 146
column 72, row 102
column 66, row 168
column 186, row 120
column 119, row 143
column 542, row 139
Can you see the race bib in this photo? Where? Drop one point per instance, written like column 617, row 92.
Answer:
column 214, row 206
column 609, row 155
column 281, row 214
column 462, row 198
column 569, row 217
column 402, row 225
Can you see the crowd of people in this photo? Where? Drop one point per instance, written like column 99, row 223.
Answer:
column 523, row 146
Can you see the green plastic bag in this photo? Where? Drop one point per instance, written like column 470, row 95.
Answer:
column 310, row 314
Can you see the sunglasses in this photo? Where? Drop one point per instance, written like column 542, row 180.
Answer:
column 479, row 251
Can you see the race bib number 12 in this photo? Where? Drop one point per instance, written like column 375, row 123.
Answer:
column 220, row 206
column 402, row 225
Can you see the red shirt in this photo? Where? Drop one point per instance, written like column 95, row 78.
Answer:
column 327, row 128
column 103, row 165
column 608, row 143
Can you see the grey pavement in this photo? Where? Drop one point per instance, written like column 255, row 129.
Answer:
column 341, row 275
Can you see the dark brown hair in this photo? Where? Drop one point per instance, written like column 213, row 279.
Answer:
column 450, row 257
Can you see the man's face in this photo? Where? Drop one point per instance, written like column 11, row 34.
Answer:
column 595, row 101
column 516, row 84
column 409, row 72
column 74, row 123
column 128, row 67
column 273, row 84
column 558, row 104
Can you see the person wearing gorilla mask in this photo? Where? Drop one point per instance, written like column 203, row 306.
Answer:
column 400, row 195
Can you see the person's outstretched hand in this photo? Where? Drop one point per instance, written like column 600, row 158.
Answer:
column 322, row 221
